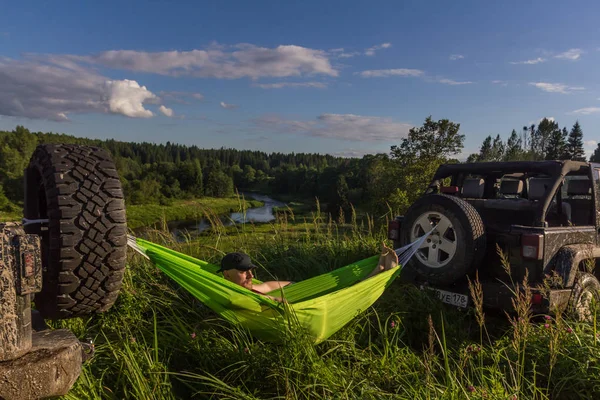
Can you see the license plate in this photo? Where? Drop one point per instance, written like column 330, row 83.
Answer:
column 455, row 299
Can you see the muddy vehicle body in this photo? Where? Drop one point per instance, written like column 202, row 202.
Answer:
column 542, row 216
column 66, row 258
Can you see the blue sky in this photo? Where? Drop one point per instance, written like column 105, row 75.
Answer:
column 338, row 77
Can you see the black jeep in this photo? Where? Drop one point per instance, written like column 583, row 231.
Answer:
column 543, row 216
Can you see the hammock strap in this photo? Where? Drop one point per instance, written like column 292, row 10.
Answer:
column 405, row 253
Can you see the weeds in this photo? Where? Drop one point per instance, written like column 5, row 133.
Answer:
column 158, row 342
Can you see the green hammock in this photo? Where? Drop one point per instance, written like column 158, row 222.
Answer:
column 321, row 305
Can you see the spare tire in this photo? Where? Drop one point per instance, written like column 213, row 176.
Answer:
column 457, row 243
column 84, row 243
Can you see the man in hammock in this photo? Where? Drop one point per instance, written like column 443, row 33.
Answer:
column 237, row 268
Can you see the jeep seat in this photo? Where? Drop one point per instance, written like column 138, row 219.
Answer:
column 473, row 188
column 511, row 189
column 537, row 191
column 579, row 192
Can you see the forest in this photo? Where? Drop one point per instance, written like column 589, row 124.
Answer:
column 160, row 173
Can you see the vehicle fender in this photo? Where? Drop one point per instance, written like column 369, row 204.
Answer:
column 567, row 259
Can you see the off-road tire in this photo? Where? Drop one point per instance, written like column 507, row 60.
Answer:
column 84, row 243
column 585, row 297
column 469, row 232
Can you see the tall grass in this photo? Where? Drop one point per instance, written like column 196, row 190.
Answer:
column 158, row 342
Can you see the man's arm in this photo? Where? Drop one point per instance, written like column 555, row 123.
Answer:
column 387, row 260
column 269, row 286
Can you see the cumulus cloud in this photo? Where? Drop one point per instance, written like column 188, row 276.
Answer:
column 384, row 73
column 530, row 62
column 166, row 111
column 586, row 111
column 180, row 97
column 281, row 85
column 371, row 50
column 339, row 126
column 239, row 61
column 453, row 82
column 571, row 54
column 127, row 97
column 51, row 90
column 455, row 57
column 228, row 106
column 555, row 87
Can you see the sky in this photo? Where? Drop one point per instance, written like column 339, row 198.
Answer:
column 347, row 78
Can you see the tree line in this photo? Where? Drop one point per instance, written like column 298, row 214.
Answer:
column 161, row 173
column 546, row 141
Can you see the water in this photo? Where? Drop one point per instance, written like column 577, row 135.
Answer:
column 256, row 215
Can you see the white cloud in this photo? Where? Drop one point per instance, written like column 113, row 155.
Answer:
column 586, row 111
column 591, row 143
column 384, row 73
column 453, row 82
column 45, row 89
column 455, row 57
column 244, row 60
column 571, row 54
column 166, row 111
column 349, row 55
column 281, row 85
column 530, row 62
column 180, row 97
column 555, row 87
column 371, row 50
column 339, row 126
column 127, row 97
column 501, row 83
column 228, row 106
column 353, row 153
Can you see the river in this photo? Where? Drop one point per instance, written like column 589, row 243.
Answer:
column 263, row 214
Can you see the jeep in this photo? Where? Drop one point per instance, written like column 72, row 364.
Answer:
column 507, row 221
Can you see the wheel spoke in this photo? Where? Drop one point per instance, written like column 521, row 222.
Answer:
column 424, row 223
column 432, row 257
column 424, row 245
column 443, row 226
column 447, row 246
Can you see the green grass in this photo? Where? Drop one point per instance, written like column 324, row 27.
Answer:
column 11, row 212
column 158, row 342
column 180, row 210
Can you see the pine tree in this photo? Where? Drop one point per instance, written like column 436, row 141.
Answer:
column 596, row 156
column 575, row 143
column 513, row 152
column 497, row 149
column 485, row 152
column 555, row 148
column 544, row 132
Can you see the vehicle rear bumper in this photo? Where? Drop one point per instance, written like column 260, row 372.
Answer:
column 50, row 368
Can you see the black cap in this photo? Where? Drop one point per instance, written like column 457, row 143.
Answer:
column 240, row 261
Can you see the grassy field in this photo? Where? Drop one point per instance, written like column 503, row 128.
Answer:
column 155, row 215
column 158, row 342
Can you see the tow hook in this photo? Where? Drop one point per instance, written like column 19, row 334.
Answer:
column 87, row 349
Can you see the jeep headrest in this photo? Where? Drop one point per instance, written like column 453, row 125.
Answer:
column 578, row 187
column 509, row 186
column 538, row 187
column 473, row 188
